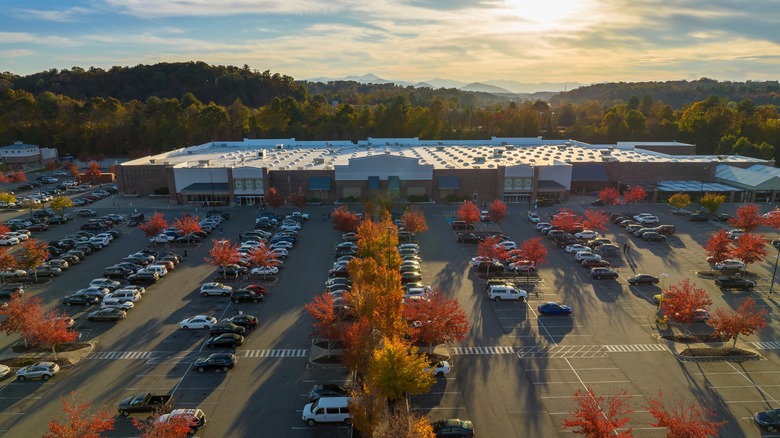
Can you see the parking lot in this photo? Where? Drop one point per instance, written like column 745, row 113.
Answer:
column 513, row 375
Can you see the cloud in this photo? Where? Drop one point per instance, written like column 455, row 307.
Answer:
column 10, row 38
column 62, row 16
column 209, row 8
column 16, row 53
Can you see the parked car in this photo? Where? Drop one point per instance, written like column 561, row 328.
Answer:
column 698, row 217
column 327, row 390
column 232, row 270
column 265, row 270
column 226, row 327
column 533, row 218
column 468, row 238
column 194, row 418
column 243, row 320
column 81, row 299
column 734, row 283
column 143, row 277
column 769, row 420
column 600, row 273
column 217, row 361
column 106, row 283
column 573, row 249
column 198, row 322
column 453, row 427
column 596, row 264
column 586, row 234
column 552, row 308
column 46, row 271
column 107, row 314
column 244, row 295
column 208, row 289
column 643, row 279
column 38, row 370
column 654, row 236
column 225, row 340
column 729, row 264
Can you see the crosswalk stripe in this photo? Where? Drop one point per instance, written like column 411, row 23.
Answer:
column 766, row 345
column 160, row 355
column 561, row 351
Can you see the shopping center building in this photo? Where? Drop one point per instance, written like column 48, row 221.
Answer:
column 515, row 170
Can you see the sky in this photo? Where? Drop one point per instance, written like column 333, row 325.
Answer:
column 529, row 41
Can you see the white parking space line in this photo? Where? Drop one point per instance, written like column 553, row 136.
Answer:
column 731, row 373
column 741, row 386
column 594, row 382
column 754, row 383
column 545, row 329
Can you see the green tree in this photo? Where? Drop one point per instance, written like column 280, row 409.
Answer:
column 680, row 200
column 712, row 201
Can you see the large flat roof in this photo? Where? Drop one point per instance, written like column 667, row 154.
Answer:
column 289, row 154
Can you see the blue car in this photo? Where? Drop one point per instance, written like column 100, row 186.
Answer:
column 551, row 308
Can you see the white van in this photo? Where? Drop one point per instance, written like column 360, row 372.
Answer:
column 327, row 410
column 160, row 270
column 125, row 294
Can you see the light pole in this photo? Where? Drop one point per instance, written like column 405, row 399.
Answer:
column 776, row 244
column 663, row 280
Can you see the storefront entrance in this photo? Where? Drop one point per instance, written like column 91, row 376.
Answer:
column 517, row 198
column 250, row 200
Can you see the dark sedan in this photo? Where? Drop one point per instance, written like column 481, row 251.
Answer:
column 116, row 272
column 225, row 340
column 600, row 273
column 46, row 271
column 80, row 299
column 232, row 270
column 654, row 236
column 327, row 390
column 453, row 427
column 734, row 283
column 216, row 361
column 643, row 279
column 551, row 308
column 769, row 420
column 596, row 263
column 245, row 295
column 243, row 320
column 226, row 327
column 109, row 314
column 408, row 277
column 143, row 278
column 698, row 217
column 468, row 238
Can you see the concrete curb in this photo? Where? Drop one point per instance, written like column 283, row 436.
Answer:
column 73, row 357
column 672, row 346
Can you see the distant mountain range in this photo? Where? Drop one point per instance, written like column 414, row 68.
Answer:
column 492, row 86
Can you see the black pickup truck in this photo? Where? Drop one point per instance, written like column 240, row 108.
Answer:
column 145, row 402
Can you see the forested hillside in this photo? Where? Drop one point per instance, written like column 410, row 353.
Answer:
column 149, row 109
column 675, row 93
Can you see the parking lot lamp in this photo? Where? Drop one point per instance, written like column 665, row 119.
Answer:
column 663, row 279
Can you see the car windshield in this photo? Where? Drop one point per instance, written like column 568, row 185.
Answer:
column 774, row 415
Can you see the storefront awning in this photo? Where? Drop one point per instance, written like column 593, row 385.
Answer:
column 393, row 183
column 449, row 183
column 319, row 183
column 373, row 183
column 206, row 188
column 551, row 186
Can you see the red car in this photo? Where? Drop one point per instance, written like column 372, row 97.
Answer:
column 595, row 264
column 256, row 288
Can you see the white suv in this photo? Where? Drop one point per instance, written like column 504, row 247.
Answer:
column 207, row 289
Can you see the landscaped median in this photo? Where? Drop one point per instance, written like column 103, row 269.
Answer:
column 67, row 354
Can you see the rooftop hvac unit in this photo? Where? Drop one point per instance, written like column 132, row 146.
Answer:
column 262, row 153
column 152, row 161
column 319, row 161
column 189, row 152
column 387, row 151
column 439, row 148
column 509, row 147
column 279, row 146
column 568, row 143
column 204, row 162
column 479, row 159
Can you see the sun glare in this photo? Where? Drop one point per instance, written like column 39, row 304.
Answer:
column 545, row 13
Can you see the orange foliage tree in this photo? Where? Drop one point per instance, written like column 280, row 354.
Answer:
column 50, row 330
column 345, row 220
column 273, row 198
column 718, row 247
column 609, row 195
column 750, row 248
column 170, row 427
column 690, row 421
column 24, row 313
column 17, row 177
column 326, row 321
column 491, row 249
column 154, row 225
column 497, row 211
column 634, row 195
column 748, row 218
column 7, row 260
column 596, row 220
column 468, row 212
column 439, row 320
column 682, row 300
column 534, row 250
column 80, row 422
column 221, row 254
column 297, row 199
column 566, row 220
column 93, row 171
column 599, row 417
column 746, row 320
column 414, row 220
column 51, row 165
column 187, row 225
column 32, row 254
column 360, row 340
